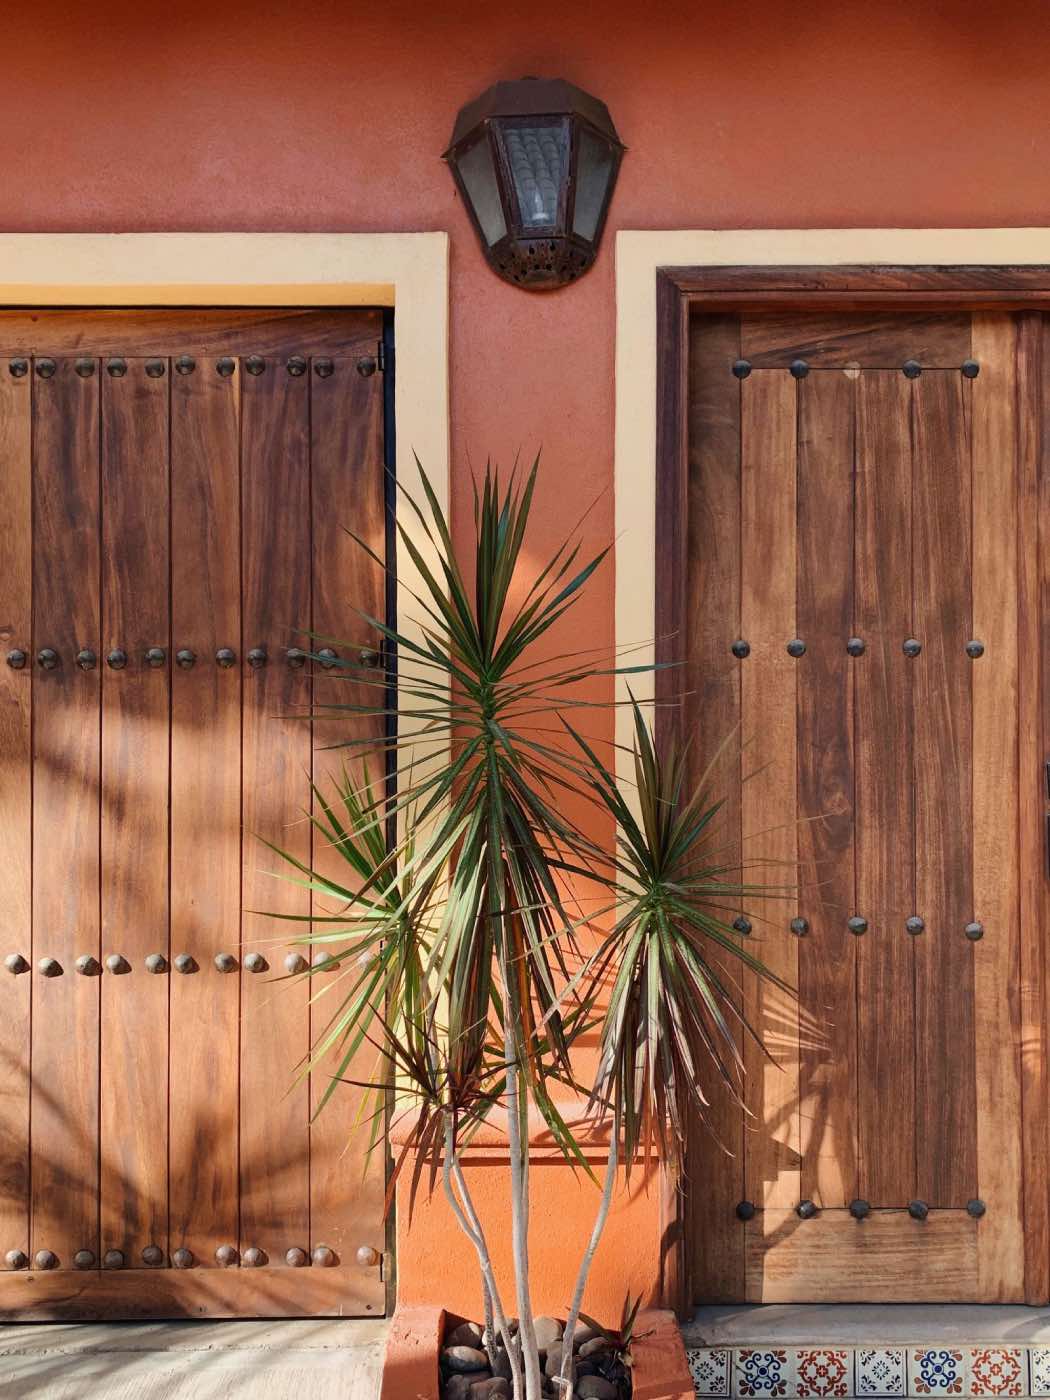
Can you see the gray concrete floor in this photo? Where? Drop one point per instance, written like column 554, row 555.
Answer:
column 858, row 1324
column 314, row 1360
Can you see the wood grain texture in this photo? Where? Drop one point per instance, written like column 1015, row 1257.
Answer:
column 66, row 787
column 275, row 331
column 135, row 760
column 877, row 340
column 1032, row 1011
column 768, row 800
column 141, row 1294
column 709, row 681
column 347, row 1185
column 1009, row 801
column 884, row 286
column 275, row 1019
column 205, row 811
column 827, row 952
column 888, row 1258
column 945, row 1140
column 884, row 776
column 16, row 801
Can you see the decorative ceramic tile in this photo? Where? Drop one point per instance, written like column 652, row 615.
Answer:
column 997, row 1371
column 1039, row 1359
column 711, row 1370
column 763, row 1371
column 937, row 1371
column 823, row 1371
column 881, row 1371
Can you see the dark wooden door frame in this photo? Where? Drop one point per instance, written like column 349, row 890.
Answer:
column 682, row 292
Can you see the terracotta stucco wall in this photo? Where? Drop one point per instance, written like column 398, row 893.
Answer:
column 332, row 117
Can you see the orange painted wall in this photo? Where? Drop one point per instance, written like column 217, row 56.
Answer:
column 263, row 116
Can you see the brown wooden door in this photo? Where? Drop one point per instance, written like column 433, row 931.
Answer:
column 863, row 613
column 174, row 491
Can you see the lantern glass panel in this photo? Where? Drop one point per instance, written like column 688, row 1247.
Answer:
column 594, row 170
column 538, row 157
column 477, row 170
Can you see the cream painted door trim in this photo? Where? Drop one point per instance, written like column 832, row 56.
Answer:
column 408, row 271
column 638, row 256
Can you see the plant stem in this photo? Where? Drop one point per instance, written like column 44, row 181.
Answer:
column 567, row 1382
column 519, row 1214
column 492, row 1298
column 473, row 1230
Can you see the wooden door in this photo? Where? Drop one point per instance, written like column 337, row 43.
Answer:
column 862, row 620
column 175, row 491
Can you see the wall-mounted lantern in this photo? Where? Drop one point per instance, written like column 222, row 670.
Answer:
column 536, row 162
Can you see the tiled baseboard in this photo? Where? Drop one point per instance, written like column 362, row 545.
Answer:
column 877, row 1373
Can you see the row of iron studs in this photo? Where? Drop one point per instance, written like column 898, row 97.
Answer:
column 89, row 966
column 858, row 925
column 911, row 369
column 227, row 1255
column 855, row 646
column 48, row 659
column 859, row 1209
column 117, row 368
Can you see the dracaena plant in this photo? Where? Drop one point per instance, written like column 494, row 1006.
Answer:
column 469, row 964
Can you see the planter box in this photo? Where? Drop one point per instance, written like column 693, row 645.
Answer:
column 410, row 1368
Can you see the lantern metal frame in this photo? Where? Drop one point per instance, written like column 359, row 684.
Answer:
column 536, row 257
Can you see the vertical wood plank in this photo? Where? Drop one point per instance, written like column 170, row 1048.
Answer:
column 1034, row 588
column 275, row 1020
column 883, row 774
column 714, row 1170
column 134, row 837
column 945, row 1140
column 347, row 1186
column 205, row 809
column 16, row 806
column 769, row 798
column 827, row 950
column 66, row 785
column 1006, row 896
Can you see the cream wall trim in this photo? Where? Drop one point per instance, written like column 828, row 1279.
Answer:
column 408, row 271
column 638, row 256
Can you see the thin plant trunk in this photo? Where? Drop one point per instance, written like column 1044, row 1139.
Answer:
column 492, row 1298
column 473, row 1230
column 568, row 1384
column 489, row 1335
column 519, row 1152
column 519, row 1212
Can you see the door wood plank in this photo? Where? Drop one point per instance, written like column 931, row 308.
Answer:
column 162, row 331
column 884, row 774
column 945, row 1145
column 827, row 950
column 1005, row 578
column 16, row 802
column 868, row 340
column 769, row 799
column 888, row 1258
column 275, row 1018
column 66, row 791
column 711, row 677
column 135, row 763
column 205, row 810
column 1034, row 366
column 143, row 1294
column 347, row 1184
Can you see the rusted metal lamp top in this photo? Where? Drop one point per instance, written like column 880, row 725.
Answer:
column 536, row 162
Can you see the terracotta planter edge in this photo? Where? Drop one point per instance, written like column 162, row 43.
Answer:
column 410, row 1366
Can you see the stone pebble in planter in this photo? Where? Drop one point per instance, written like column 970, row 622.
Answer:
column 466, row 1375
